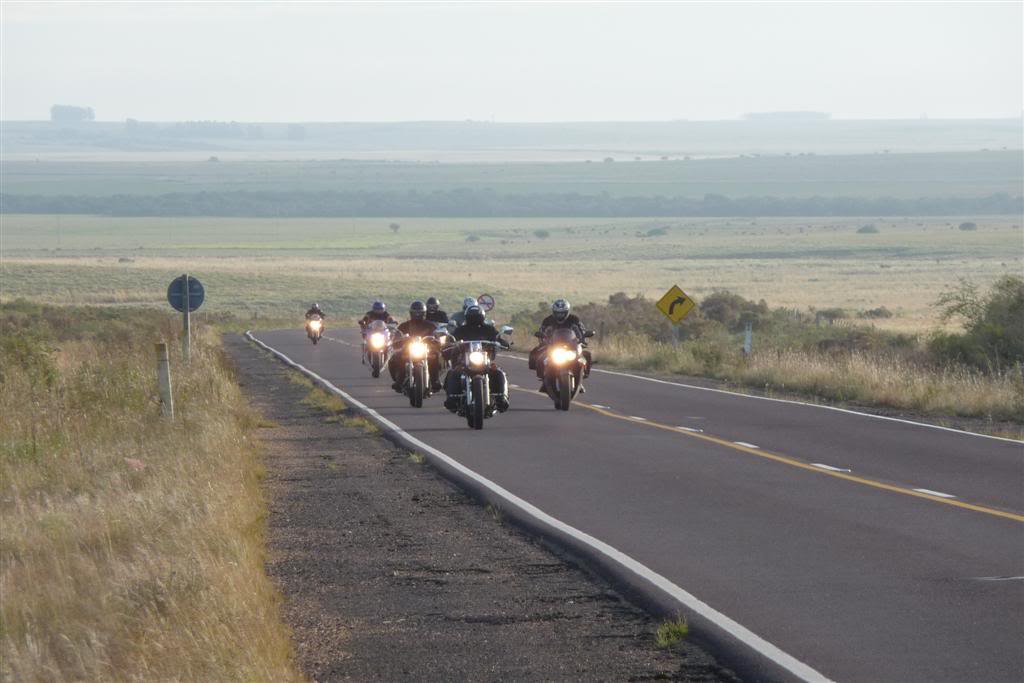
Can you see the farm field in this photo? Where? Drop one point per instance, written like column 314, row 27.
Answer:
column 274, row 267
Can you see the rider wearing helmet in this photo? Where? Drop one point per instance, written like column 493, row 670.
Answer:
column 561, row 318
column 416, row 326
column 458, row 319
column 476, row 328
column 434, row 312
column 315, row 310
column 378, row 311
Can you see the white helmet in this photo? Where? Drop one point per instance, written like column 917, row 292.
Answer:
column 560, row 309
column 467, row 302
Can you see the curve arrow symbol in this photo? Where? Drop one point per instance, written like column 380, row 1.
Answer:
column 679, row 301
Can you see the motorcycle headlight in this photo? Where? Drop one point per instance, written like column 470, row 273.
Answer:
column 562, row 356
column 417, row 350
column 315, row 325
column 477, row 358
column 377, row 340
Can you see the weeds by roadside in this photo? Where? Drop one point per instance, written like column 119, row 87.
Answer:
column 132, row 547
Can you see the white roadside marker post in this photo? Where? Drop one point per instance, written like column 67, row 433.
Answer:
column 186, row 340
column 163, row 378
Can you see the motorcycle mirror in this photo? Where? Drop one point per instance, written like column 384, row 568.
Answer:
column 507, row 329
column 538, row 335
column 588, row 334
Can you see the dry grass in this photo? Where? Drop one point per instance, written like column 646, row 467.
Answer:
column 132, row 547
column 856, row 377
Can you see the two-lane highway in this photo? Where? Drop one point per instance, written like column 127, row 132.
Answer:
column 869, row 549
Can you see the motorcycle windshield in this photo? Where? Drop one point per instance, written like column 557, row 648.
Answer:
column 563, row 336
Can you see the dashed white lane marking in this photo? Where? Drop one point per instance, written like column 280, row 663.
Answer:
column 598, row 405
column 999, row 578
column 690, row 429
column 638, row 419
column 744, row 443
column 940, row 494
column 830, row 468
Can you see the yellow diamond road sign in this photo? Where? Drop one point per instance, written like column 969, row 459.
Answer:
column 675, row 304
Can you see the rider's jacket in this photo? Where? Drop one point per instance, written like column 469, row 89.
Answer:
column 485, row 332
column 437, row 316
column 314, row 311
column 571, row 322
column 417, row 328
column 375, row 315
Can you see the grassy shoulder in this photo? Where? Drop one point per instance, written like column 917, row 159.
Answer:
column 132, row 547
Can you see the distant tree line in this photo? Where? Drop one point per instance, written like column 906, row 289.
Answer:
column 67, row 113
column 485, row 202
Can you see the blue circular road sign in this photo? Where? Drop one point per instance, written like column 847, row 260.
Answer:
column 176, row 293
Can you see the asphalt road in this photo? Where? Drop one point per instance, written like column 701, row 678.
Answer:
column 903, row 562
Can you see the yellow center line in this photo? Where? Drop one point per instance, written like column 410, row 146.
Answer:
column 792, row 462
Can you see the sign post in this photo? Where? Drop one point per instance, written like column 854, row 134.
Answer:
column 186, row 294
column 748, row 338
column 676, row 305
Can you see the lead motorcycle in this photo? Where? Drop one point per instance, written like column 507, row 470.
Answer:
column 563, row 365
column 477, row 402
column 419, row 353
column 315, row 328
column 377, row 338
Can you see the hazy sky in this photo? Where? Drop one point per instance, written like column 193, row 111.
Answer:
column 263, row 61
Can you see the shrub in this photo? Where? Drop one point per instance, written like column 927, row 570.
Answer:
column 993, row 337
column 542, row 234
column 868, row 229
column 968, row 226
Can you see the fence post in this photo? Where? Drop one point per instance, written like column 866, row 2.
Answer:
column 163, row 378
column 748, row 338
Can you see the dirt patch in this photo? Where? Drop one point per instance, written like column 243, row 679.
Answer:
column 389, row 572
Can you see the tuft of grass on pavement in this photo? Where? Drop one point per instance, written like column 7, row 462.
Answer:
column 671, row 632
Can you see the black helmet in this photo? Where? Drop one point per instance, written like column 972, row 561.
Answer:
column 417, row 311
column 474, row 316
column 315, row 307
column 560, row 309
column 433, row 304
column 380, row 306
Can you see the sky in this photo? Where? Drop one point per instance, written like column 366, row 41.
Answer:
column 510, row 61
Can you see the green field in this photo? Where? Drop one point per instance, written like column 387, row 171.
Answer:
column 273, row 267
column 961, row 174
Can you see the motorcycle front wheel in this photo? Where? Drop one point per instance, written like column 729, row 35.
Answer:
column 475, row 411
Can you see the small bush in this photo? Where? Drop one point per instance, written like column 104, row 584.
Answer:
column 472, row 238
column 876, row 313
column 968, row 225
column 868, row 229
column 542, row 234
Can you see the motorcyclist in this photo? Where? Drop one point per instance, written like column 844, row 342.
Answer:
column 458, row 319
column 561, row 318
column 416, row 326
column 315, row 310
column 434, row 312
column 378, row 311
column 475, row 329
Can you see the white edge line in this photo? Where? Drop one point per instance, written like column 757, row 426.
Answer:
column 829, row 467
column 638, row 418
column 940, row 494
column 748, row 445
column 688, row 600
column 691, row 429
column 800, row 403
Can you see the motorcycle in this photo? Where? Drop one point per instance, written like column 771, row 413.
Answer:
column 377, row 338
column 563, row 366
column 417, row 385
column 315, row 328
column 477, row 402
